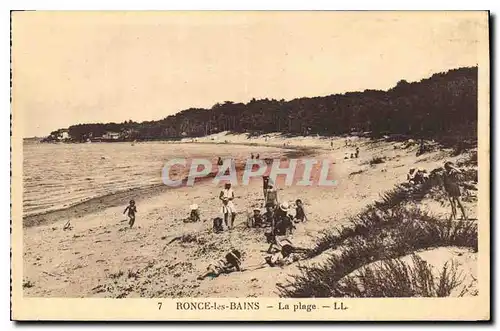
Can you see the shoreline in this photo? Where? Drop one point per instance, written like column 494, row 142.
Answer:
column 110, row 200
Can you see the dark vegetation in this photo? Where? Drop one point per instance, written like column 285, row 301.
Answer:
column 388, row 229
column 395, row 278
column 376, row 160
column 28, row 284
column 442, row 107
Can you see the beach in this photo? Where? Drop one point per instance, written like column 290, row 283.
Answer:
column 101, row 257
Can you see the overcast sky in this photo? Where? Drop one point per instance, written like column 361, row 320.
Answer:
column 71, row 68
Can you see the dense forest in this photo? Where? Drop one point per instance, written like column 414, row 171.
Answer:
column 439, row 107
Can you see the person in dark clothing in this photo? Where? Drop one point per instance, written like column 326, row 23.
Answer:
column 282, row 220
column 132, row 209
column 256, row 220
column 300, row 215
column 194, row 215
column 271, row 196
column 268, row 216
column 265, row 186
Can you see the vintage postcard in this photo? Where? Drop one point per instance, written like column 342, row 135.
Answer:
column 252, row 166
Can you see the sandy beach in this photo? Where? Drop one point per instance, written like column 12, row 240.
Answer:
column 101, row 257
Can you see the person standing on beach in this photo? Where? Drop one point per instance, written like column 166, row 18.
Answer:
column 131, row 208
column 450, row 184
column 228, row 209
column 271, row 197
column 265, row 186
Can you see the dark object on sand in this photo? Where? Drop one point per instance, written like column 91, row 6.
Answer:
column 67, row 226
column 217, row 225
column 194, row 215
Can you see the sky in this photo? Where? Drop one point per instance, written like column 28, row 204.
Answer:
column 89, row 67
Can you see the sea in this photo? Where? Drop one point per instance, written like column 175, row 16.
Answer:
column 57, row 176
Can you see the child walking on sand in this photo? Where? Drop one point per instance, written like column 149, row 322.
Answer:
column 131, row 208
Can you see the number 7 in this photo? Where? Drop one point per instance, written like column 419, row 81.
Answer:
column 159, row 305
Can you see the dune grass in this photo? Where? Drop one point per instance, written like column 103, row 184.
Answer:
column 396, row 278
column 377, row 160
column 399, row 234
column 388, row 229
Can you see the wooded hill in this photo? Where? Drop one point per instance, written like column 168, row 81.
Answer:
column 439, row 107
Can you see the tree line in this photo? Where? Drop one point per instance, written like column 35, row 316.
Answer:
column 439, row 107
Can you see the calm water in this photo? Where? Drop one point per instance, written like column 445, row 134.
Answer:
column 60, row 175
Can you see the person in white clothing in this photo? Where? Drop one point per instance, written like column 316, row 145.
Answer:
column 228, row 209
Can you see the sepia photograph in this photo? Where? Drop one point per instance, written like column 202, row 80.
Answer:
column 250, row 165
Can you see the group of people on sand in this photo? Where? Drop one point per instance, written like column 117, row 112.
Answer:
column 228, row 210
column 277, row 217
column 352, row 155
column 278, row 220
